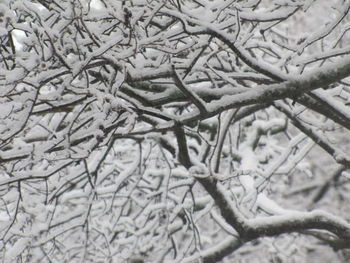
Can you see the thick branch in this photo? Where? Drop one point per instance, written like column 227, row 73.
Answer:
column 292, row 88
column 323, row 109
column 299, row 221
column 338, row 156
column 228, row 210
column 191, row 95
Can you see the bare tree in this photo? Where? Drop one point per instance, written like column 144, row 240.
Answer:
column 174, row 131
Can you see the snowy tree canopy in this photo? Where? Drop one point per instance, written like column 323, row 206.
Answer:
column 174, row 131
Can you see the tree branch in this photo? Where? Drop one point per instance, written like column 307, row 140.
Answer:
column 192, row 96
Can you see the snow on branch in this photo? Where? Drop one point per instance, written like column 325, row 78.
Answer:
column 174, row 131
